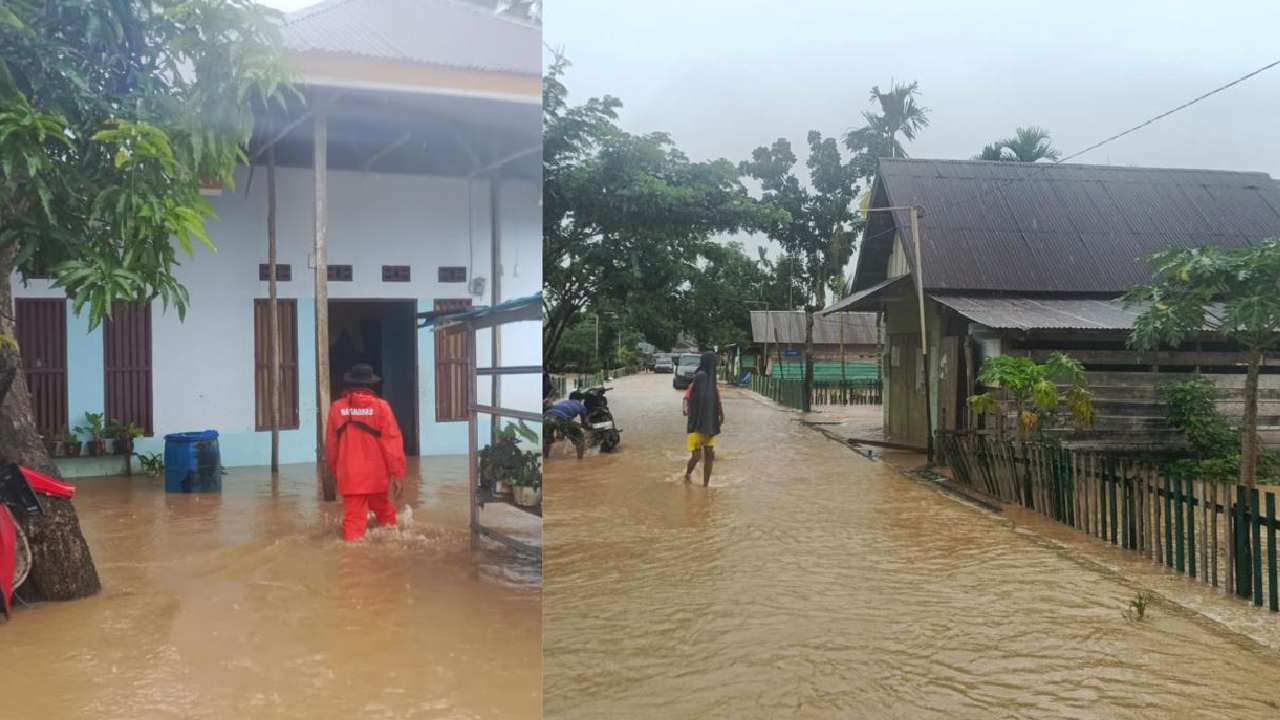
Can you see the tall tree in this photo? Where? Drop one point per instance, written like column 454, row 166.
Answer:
column 725, row 291
column 900, row 114
column 111, row 113
column 1231, row 293
column 624, row 215
column 816, row 224
column 1029, row 144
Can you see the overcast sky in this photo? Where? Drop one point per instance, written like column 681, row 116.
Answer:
column 725, row 76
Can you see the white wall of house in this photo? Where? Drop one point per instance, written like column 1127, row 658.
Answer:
column 203, row 368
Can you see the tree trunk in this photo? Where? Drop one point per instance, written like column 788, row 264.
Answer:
column 1249, row 430
column 62, row 567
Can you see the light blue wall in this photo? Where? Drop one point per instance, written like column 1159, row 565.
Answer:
column 203, row 368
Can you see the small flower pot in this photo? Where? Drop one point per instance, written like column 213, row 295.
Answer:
column 124, row 447
column 527, row 495
column 501, row 487
column 96, row 448
column 71, row 449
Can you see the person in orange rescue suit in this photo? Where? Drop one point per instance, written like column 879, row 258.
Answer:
column 365, row 451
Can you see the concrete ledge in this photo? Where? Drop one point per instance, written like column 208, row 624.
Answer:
column 85, row 466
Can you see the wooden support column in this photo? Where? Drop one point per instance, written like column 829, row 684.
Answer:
column 495, row 292
column 273, row 324
column 321, row 171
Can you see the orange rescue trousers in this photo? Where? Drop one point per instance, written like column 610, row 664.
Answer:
column 355, row 513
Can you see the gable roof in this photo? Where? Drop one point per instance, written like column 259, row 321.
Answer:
column 450, row 33
column 1056, row 228
column 787, row 327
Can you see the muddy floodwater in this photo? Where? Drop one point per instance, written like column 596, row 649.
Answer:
column 248, row 605
column 811, row 582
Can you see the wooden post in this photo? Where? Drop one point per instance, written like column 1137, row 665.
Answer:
column 924, row 331
column 273, row 314
column 495, row 293
column 1213, row 517
column 321, row 171
column 473, row 442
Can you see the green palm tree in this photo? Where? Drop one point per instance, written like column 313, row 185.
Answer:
column 899, row 114
column 1028, row 144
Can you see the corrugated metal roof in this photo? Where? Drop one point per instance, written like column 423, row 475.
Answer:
column 869, row 296
column 1021, row 313
column 451, row 33
column 787, row 326
column 1024, row 227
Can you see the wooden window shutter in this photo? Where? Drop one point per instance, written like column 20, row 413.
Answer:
column 287, row 314
column 42, row 337
column 453, row 389
column 127, row 344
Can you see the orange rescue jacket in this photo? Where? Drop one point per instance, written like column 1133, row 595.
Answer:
column 362, row 443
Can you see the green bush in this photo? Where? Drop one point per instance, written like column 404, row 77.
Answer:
column 1215, row 442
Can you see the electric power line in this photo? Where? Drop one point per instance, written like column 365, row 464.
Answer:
column 1100, row 143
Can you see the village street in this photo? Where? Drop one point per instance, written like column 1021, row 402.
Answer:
column 809, row 581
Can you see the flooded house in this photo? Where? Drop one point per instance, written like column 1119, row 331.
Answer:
column 404, row 180
column 778, row 340
column 1032, row 258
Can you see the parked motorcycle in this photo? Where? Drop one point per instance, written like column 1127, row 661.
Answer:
column 600, row 428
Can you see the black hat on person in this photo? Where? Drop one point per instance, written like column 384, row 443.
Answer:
column 361, row 374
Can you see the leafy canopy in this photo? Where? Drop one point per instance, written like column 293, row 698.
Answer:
column 814, row 225
column 111, row 114
column 625, row 217
column 1234, row 292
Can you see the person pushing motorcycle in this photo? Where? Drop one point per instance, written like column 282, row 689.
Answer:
column 565, row 418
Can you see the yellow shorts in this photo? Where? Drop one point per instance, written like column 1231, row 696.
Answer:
column 699, row 440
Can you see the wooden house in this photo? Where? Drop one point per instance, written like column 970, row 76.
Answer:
column 778, row 337
column 1030, row 259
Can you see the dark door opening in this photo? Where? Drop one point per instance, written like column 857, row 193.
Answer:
column 384, row 334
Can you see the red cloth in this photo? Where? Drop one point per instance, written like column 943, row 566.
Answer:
column 42, row 483
column 355, row 513
column 8, row 556
column 362, row 444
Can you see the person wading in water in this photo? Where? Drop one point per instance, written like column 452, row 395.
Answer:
column 705, row 415
column 364, row 449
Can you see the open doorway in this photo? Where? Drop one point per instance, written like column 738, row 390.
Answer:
column 384, row 334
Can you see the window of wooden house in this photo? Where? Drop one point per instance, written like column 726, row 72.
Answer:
column 126, row 341
column 42, row 337
column 287, row 316
column 453, row 390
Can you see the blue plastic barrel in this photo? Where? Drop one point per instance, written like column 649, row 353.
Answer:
column 192, row 462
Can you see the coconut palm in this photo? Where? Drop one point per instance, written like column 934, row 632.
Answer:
column 1028, row 144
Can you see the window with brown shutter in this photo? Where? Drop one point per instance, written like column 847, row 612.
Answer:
column 453, row 391
column 287, row 315
column 127, row 344
column 42, row 337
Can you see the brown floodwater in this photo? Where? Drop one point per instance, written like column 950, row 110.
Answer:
column 812, row 582
column 248, row 605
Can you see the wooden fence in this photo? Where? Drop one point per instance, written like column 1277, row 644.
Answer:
column 1223, row 535
column 790, row 391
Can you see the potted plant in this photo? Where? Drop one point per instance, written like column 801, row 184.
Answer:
column 69, row 445
column 124, row 435
column 504, row 465
column 53, row 444
column 95, row 428
column 526, row 487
